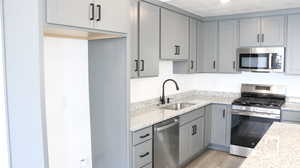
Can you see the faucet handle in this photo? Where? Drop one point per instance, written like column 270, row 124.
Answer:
column 168, row 100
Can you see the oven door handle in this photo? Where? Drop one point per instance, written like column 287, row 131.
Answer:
column 254, row 114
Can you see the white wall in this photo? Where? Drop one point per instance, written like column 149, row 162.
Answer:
column 4, row 148
column 67, row 103
column 148, row 88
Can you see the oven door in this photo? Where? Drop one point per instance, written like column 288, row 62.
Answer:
column 247, row 129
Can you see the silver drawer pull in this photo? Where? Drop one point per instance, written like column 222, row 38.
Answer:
column 144, row 155
column 144, row 136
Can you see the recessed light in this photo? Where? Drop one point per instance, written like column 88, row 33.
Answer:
column 224, row 1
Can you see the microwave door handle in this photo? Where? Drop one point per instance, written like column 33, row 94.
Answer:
column 270, row 61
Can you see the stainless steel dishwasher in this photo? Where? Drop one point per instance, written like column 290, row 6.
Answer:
column 166, row 144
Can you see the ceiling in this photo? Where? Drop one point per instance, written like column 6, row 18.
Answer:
column 215, row 7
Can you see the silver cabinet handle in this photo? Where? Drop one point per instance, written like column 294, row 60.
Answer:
column 224, row 113
column 258, row 37
column 136, row 65
column 144, row 155
column 176, row 50
column 99, row 13
column 214, row 64
column 192, row 64
column 194, row 130
column 92, row 11
column 143, row 65
column 234, row 65
column 144, row 136
column 263, row 38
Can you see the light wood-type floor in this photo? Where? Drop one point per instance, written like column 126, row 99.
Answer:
column 216, row 159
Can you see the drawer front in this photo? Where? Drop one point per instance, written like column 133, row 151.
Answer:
column 186, row 118
column 148, row 166
column 142, row 135
column 142, row 154
column 292, row 116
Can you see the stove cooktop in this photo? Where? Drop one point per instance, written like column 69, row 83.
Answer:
column 259, row 102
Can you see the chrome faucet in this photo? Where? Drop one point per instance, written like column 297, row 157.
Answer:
column 162, row 98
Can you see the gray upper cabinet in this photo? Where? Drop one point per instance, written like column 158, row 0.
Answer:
column 228, row 44
column 174, row 36
column 207, row 47
column 193, row 45
column 218, row 127
column 144, row 39
column 189, row 66
column 133, row 39
column 250, row 32
column 293, row 49
column 149, row 39
column 272, row 31
column 262, row 31
column 93, row 14
column 71, row 13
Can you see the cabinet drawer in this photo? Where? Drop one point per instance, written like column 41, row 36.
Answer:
column 147, row 166
column 191, row 116
column 142, row 135
column 292, row 116
column 142, row 154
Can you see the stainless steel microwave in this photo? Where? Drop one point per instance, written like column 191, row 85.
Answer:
column 261, row 59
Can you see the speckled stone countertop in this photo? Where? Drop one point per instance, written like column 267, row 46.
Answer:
column 148, row 113
column 279, row 148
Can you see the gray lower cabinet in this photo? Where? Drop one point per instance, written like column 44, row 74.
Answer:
column 191, row 136
column 144, row 40
column 290, row 116
column 207, row 47
column 220, row 121
column 142, row 148
column 93, row 14
column 189, row 66
column 174, row 36
column 228, row 44
column 293, row 49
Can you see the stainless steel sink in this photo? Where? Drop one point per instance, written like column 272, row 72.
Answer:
column 177, row 106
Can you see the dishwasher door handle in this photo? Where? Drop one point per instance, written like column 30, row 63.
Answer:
column 159, row 129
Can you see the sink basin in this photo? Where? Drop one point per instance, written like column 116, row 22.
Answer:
column 177, row 106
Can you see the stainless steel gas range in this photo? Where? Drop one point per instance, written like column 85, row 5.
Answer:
column 253, row 114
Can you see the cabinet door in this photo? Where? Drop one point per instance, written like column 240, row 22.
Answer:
column 250, row 32
column 208, row 57
column 149, row 39
column 293, row 49
column 133, row 39
column 184, row 141
column 189, row 66
column 174, row 36
column 71, row 13
column 207, row 121
column 273, row 29
column 228, row 44
column 197, row 136
column 193, row 46
column 112, row 17
column 218, row 129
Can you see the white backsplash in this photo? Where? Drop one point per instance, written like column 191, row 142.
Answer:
column 149, row 88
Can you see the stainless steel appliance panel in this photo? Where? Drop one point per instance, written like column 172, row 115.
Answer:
column 166, row 144
column 260, row 59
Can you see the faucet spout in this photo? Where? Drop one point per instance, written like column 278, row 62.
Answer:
column 162, row 98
